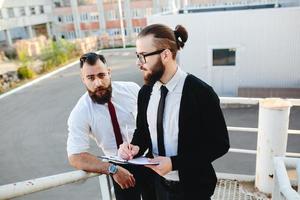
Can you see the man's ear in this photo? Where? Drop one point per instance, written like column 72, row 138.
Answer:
column 109, row 71
column 166, row 55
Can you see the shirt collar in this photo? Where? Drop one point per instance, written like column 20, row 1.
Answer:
column 171, row 84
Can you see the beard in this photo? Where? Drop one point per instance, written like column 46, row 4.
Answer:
column 103, row 97
column 154, row 74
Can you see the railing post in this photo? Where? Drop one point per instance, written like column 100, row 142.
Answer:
column 105, row 188
column 298, row 175
column 273, row 123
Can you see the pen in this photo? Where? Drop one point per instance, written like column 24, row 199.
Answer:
column 127, row 136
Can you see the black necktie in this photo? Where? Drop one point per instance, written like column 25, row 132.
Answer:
column 160, row 115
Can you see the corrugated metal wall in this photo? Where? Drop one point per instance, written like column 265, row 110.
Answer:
column 267, row 43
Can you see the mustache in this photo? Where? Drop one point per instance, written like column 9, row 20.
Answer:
column 142, row 68
column 100, row 89
column 104, row 97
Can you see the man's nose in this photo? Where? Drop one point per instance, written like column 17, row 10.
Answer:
column 138, row 63
column 98, row 82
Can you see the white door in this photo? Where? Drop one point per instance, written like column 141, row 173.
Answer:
column 223, row 71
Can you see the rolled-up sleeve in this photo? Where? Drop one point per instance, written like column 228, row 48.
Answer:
column 78, row 133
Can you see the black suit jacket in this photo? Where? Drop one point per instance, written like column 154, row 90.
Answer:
column 202, row 138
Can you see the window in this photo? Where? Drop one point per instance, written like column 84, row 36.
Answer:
column 32, row 10
column 22, row 11
column 224, row 57
column 42, row 11
column 165, row 9
column 148, row 11
column 137, row 29
column 94, row 16
column 114, row 31
column 138, row 13
column 59, row 19
column 111, row 15
column 57, row 4
column 68, row 35
column 84, row 17
column 10, row 12
column 69, row 18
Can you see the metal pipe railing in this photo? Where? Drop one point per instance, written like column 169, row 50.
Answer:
column 282, row 187
column 30, row 186
column 251, row 101
column 255, row 130
column 298, row 174
column 35, row 185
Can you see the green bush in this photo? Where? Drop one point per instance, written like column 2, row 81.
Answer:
column 25, row 73
column 57, row 53
column 23, row 58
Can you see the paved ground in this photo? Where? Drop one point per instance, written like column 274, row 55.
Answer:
column 33, row 131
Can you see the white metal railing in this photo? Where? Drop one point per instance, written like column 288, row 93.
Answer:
column 251, row 101
column 30, row 186
column 282, row 185
column 254, row 101
column 36, row 185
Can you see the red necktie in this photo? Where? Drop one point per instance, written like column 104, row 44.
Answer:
column 115, row 123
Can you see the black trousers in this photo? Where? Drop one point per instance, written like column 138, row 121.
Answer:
column 144, row 186
column 172, row 190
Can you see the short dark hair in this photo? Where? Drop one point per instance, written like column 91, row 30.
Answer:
column 165, row 37
column 91, row 58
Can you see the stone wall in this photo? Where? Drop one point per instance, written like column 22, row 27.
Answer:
column 8, row 80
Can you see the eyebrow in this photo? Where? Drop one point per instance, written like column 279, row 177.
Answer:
column 140, row 52
column 91, row 75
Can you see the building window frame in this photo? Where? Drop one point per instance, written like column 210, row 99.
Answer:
column 41, row 9
column 84, row 17
column 224, row 57
column 11, row 13
column 32, row 10
column 22, row 11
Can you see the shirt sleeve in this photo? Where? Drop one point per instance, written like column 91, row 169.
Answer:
column 78, row 132
column 134, row 89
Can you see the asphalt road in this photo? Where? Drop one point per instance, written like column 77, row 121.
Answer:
column 33, row 131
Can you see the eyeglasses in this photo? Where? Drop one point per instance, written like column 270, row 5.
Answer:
column 142, row 56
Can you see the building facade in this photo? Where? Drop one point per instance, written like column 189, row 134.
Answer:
column 247, row 52
column 24, row 19
column 71, row 19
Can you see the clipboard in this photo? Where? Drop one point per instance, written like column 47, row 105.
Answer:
column 136, row 161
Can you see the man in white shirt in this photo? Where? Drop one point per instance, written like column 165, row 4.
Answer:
column 106, row 113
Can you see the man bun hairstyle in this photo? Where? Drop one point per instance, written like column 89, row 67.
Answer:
column 181, row 36
column 165, row 37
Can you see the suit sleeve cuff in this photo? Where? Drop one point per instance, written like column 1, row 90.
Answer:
column 175, row 162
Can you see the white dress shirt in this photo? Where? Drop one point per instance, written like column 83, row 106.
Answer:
column 170, row 118
column 92, row 120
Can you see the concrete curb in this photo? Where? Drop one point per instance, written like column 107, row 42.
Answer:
column 38, row 79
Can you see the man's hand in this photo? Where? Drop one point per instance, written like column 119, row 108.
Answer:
column 128, row 151
column 164, row 166
column 124, row 178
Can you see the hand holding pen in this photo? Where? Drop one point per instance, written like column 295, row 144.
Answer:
column 126, row 150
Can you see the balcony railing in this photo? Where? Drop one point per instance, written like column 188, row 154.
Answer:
column 282, row 188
